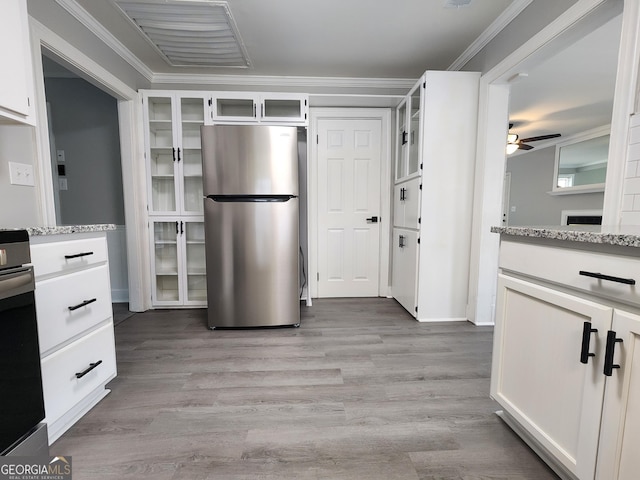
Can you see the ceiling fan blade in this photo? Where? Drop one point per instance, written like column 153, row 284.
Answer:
column 523, row 146
column 541, row 137
column 510, row 126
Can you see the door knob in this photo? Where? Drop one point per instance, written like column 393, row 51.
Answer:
column 372, row 219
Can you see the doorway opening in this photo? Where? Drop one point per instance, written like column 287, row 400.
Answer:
column 86, row 165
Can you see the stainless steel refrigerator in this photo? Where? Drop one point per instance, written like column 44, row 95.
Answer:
column 250, row 177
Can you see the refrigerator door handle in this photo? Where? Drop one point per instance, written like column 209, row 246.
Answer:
column 251, row 198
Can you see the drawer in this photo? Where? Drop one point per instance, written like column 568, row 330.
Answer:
column 563, row 266
column 62, row 388
column 71, row 304
column 60, row 257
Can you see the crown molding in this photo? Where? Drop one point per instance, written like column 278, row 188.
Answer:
column 511, row 12
column 80, row 14
column 284, row 81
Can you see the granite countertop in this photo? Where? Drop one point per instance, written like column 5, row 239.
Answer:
column 628, row 236
column 62, row 229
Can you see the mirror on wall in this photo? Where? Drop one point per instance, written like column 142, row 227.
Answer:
column 581, row 163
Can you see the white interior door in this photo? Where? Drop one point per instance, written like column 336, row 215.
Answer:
column 349, row 157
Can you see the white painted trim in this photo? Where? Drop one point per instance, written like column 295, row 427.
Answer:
column 624, row 104
column 86, row 19
column 383, row 114
column 283, row 81
column 505, row 18
column 490, row 157
column 133, row 174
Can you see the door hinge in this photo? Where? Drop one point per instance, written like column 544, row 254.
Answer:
column 420, row 186
column 421, row 166
column 318, row 139
column 424, row 85
column 419, row 219
column 418, row 240
column 28, row 102
column 416, row 309
column 318, row 276
column 210, row 101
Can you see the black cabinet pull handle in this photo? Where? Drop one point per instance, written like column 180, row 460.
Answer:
column 404, row 138
column 78, row 255
column 181, row 228
column 178, row 154
column 608, row 355
column 177, row 231
column 403, row 192
column 600, row 276
column 586, row 339
column 401, row 241
column 174, row 154
column 83, row 304
column 91, row 367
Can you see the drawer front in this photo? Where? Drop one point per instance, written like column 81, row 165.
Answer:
column 62, row 388
column 563, row 266
column 59, row 257
column 71, row 304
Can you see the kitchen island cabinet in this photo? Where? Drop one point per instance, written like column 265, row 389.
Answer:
column 566, row 370
column 75, row 321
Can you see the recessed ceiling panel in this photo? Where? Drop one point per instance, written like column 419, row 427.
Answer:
column 189, row 32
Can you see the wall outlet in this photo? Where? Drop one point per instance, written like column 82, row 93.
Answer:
column 60, row 156
column 513, row 208
column 62, row 184
column 21, row 174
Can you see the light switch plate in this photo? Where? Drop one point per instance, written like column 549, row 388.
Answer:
column 21, row 174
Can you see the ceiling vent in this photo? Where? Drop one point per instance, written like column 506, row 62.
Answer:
column 456, row 3
column 189, row 32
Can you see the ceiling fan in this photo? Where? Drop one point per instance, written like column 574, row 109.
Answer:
column 515, row 143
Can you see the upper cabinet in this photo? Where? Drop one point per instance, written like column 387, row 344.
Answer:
column 17, row 79
column 247, row 107
column 409, row 121
column 173, row 153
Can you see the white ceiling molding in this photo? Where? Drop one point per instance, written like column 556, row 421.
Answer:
column 284, row 81
column 107, row 37
column 511, row 12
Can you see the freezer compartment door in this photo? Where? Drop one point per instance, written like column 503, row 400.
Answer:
column 252, row 263
column 249, row 160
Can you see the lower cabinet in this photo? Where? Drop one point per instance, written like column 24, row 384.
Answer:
column 75, row 325
column 405, row 268
column 566, row 369
column 178, row 267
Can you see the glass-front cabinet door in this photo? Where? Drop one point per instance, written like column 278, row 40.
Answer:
column 401, row 140
column 161, row 154
column 409, row 121
column 413, row 163
column 192, row 115
column 174, row 153
column 166, row 262
column 195, row 268
column 179, row 271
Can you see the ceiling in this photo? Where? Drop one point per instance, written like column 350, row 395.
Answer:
column 329, row 38
column 572, row 91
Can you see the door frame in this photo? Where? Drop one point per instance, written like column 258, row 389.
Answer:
column 384, row 115
column 133, row 171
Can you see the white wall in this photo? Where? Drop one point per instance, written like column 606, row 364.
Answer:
column 85, row 126
column 19, row 203
column 531, row 179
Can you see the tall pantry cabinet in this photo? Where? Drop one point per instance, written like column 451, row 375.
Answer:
column 433, row 194
column 174, row 165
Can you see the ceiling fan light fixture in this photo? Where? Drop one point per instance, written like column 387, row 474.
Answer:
column 511, row 148
column 512, row 138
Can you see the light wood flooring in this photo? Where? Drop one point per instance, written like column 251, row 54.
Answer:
column 359, row 391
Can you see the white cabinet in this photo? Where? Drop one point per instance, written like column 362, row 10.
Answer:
column 406, row 204
column 178, row 266
column 16, row 80
column 567, row 324
column 618, row 457
column 248, row 107
column 173, row 151
column 75, row 325
column 435, row 158
column 404, row 275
